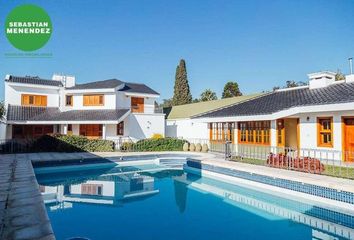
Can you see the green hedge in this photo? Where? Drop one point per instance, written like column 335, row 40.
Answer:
column 71, row 143
column 150, row 145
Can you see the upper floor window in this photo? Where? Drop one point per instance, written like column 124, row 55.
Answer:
column 33, row 100
column 94, row 100
column 325, row 132
column 137, row 104
column 69, row 100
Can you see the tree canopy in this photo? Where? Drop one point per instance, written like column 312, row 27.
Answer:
column 166, row 103
column 208, row 95
column 231, row 89
column 182, row 93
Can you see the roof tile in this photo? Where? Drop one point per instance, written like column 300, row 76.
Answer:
column 282, row 100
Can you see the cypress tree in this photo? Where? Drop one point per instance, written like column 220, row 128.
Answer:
column 182, row 94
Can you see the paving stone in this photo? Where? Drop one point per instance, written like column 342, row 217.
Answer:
column 32, row 193
column 20, row 190
column 25, row 201
column 49, row 237
column 3, row 198
column 32, row 232
column 25, row 210
column 25, row 220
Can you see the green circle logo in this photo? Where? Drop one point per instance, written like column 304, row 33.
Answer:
column 28, row 27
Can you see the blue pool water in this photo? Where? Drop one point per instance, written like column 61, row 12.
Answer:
column 154, row 202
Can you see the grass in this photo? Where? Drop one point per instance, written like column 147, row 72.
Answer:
column 338, row 171
column 333, row 171
column 250, row 161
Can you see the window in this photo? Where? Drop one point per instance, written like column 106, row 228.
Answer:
column 91, row 189
column 137, row 105
column 120, row 128
column 93, row 100
column 69, row 100
column 254, row 132
column 31, row 131
column 91, row 130
column 221, row 131
column 325, row 132
column 33, row 100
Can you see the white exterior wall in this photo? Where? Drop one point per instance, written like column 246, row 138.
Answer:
column 78, row 102
column 308, row 129
column 149, row 105
column 108, row 188
column 187, row 128
column 140, row 126
column 111, row 131
column 124, row 101
column 2, row 130
column 9, row 132
column 13, row 94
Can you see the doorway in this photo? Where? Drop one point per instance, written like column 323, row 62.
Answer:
column 348, row 139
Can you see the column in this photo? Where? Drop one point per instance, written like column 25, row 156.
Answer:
column 273, row 135
column 65, row 130
column 104, row 131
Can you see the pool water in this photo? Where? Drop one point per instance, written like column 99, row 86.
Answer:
column 157, row 202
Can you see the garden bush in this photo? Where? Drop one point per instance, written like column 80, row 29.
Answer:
column 71, row 143
column 161, row 144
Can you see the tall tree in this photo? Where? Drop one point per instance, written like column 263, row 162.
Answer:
column 2, row 110
column 231, row 89
column 208, row 95
column 182, row 93
column 166, row 103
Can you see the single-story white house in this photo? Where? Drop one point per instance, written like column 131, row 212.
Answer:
column 314, row 120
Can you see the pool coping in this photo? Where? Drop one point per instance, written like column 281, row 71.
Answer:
column 340, row 200
column 22, row 211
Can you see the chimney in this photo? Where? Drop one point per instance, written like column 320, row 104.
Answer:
column 321, row 79
column 67, row 80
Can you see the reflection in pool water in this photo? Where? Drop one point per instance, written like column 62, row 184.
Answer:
column 154, row 202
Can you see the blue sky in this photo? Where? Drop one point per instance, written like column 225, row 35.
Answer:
column 257, row 43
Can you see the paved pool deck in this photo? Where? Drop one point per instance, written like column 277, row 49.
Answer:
column 22, row 210
column 340, row 184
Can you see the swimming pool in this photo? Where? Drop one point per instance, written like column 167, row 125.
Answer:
column 152, row 201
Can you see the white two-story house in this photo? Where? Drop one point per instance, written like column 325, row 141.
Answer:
column 108, row 109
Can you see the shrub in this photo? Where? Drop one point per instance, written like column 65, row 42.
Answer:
column 71, row 143
column 157, row 136
column 127, row 146
column 161, row 144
